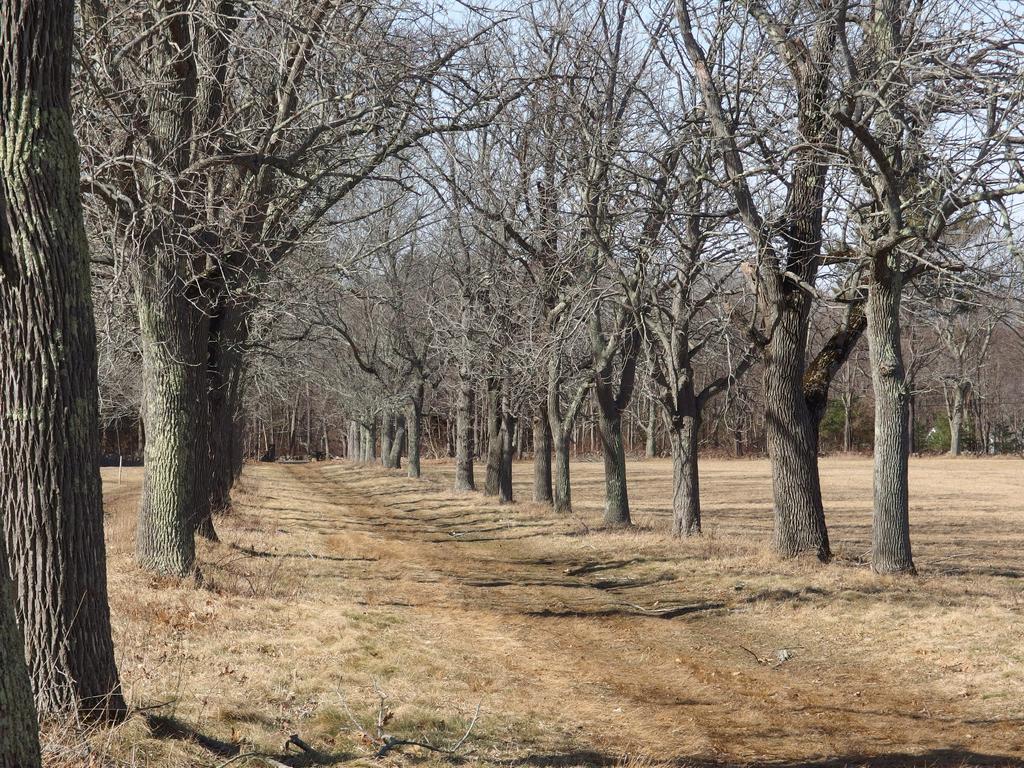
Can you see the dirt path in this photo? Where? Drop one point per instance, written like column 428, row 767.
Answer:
column 610, row 644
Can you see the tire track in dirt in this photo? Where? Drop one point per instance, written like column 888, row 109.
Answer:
column 614, row 646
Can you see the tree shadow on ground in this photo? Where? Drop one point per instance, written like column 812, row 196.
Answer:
column 936, row 758
column 163, row 727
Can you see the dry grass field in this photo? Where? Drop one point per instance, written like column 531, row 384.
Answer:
column 334, row 584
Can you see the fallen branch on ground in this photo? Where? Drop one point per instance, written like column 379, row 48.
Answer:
column 385, row 742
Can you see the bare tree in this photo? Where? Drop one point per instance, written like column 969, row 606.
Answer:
column 919, row 180
column 49, row 440
column 787, row 240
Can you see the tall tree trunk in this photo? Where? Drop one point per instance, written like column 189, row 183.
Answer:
column 228, row 331
column 541, row 455
column 508, row 426
column 494, row 440
column 387, row 437
column 961, row 391
column 370, row 441
column 175, row 490
column 651, row 446
column 561, row 426
column 685, row 479
column 792, row 438
column 616, row 495
column 394, row 455
column 890, row 543
column 911, row 419
column 562, row 490
column 683, row 408
column 352, row 446
column 610, row 405
column 293, row 417
column 49, row 422
column 414, row 420
column 464, row 435
column 847, row 422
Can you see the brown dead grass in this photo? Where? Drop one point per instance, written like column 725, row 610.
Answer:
column 582, row 647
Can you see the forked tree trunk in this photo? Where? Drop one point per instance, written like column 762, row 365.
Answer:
column 890, row 541
column 541, row 455
column 19, row 734
column 49, row 424
column 494, row 438
column 464, row 436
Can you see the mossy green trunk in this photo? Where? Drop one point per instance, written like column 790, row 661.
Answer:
column 49, row 431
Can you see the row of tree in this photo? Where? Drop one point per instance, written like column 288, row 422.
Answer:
column 711, row 205
column 530, row 207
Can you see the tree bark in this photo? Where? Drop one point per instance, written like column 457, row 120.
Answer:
column 911, row 419
column 611, row 404
column 561, row 426
column 961, row 391
column 414, row 420
column 19, row 733
column 541, row 455
column 562, row 490
column 685, row 479
column 175, row 491
column 224, row 379
column 369, row 441
column 890, row 544
column 49, row 423
column 493, row 421
column 651, row 445
column 464, row 436
column 792, row 439
column 847, row 422
column 352, row 445
column 387, row 437
column 508, row 426
column 394, row 454
column 228, row 333
column 616, row 495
